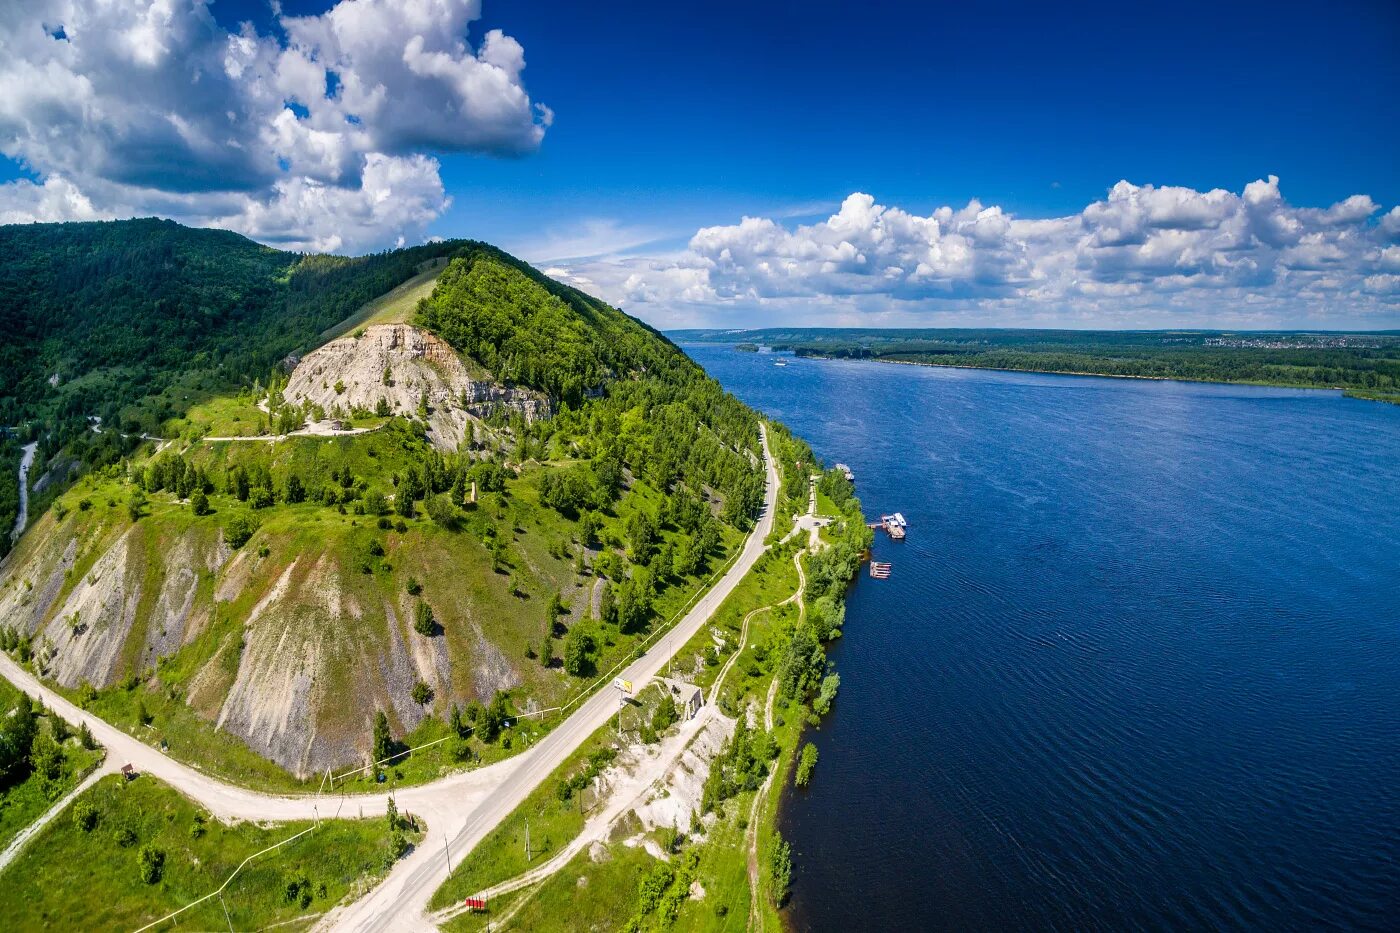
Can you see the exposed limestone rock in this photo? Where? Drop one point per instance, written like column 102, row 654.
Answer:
column 165, row 631
column 398, row 363
column 492, row 670
column 101, row 609
column 270, row 704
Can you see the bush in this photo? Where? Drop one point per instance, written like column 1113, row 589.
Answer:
column 152, row 862
column 422, row 693
column 423, row 621
column 239, row 529
column 780, row 871
column 85, row 816
column 578, row 646
column 413, row 587
column 442, row 511
column 806, row 763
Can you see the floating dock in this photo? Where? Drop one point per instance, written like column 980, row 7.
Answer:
column 893, row 525
column 880, row 570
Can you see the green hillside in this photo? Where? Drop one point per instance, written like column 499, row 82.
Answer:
column 255, row 602
column 103, row 318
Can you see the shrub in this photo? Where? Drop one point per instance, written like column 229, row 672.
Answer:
column 442, row 511
column 780, row 871
column 152, row 862
column 578, row 645
column 85, row 816
column 423, row 621
column 239, row 529
column 422, row 693
column 805, row 765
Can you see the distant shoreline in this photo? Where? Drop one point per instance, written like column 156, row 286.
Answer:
column 1069, row 372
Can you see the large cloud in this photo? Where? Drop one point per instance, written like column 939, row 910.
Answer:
column 1144, row 255
column 317, row 138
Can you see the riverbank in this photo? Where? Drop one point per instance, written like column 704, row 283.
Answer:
column 1348, row 392
column 1127, row 624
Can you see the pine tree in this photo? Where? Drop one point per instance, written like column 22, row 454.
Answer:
column 383, row 743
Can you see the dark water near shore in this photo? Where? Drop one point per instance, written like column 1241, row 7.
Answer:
column 1138, row 666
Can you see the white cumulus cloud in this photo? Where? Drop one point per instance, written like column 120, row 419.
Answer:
column 1144, row 255
column 319, row 137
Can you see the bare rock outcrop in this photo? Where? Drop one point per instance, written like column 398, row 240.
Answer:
column 399, row 363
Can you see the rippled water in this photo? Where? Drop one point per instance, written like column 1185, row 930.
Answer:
column 1138, row 666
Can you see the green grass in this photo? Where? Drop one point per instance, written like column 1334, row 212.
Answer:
column 393, row 307
column 26, row 801
column 69, row 878
column 583, row 897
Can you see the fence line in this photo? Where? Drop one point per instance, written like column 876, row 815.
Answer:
column 376, row 764
column 228, row 881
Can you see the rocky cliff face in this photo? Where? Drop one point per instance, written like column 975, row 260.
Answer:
column 398, row 363
column 319, row 649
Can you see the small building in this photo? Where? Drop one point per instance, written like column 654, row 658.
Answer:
column 129, row 772
column 689, row 697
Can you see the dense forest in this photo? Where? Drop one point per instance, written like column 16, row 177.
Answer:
column 604, row 367
column 1366, row 365
column 99, row 317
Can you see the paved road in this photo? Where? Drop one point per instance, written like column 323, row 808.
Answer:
column 400, row 903
column 463, row 807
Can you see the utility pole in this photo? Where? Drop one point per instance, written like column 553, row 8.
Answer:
column 527, row 840
column 446, row 851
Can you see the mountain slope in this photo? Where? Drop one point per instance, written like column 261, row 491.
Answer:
column 391, row 527
column 100, row 318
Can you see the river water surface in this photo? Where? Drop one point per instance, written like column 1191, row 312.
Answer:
column 1138, row 666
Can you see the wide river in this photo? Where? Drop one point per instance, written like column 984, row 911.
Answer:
column 1137, row 667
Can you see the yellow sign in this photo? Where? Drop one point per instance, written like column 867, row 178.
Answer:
column 624, row 685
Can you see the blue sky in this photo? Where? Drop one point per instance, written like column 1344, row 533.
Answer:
column 670, row 116
column 665, row 119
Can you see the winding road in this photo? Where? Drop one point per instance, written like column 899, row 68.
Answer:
column 462, row 808
column 25, row 462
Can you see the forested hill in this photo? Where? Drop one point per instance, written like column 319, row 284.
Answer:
column 137, row 322
column 527, row 329
column 100, row 315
